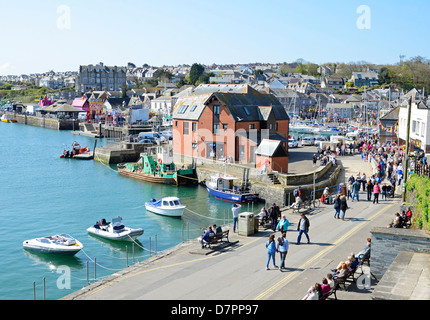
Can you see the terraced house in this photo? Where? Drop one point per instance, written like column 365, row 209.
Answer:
column 228, row 122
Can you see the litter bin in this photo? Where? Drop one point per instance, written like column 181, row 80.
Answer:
column 246, row 224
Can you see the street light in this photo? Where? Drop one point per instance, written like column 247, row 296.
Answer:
column 406, row 162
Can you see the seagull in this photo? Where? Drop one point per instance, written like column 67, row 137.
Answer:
column 239, row 119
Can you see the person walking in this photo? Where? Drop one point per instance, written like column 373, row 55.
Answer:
column 282, row 248
column 303, row 227
column 355, row 190
column 274, row 213
column 271, row 251
column 314, row 160
column 235, row 210
column 337, row 206
column 343, row 206
column 369, row 187
column 283, row 224
column 376, row 192
column 349, row 190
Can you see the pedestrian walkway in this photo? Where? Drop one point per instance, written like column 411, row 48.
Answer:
column 238, row 271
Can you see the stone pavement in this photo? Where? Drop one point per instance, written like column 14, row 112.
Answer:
column 408, row 277
column 238, row 271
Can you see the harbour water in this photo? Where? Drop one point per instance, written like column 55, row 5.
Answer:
column 42, row 194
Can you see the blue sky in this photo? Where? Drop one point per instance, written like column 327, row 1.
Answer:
column 36, row 36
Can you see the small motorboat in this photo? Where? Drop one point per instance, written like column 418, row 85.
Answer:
column 168, row 206
column 7, row 118
column 78, row 153
column 61, row 244
column 115, row 230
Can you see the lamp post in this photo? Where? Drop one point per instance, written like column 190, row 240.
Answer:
column 406, row 162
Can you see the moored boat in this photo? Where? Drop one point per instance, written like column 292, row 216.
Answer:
column 78, row 153
column 168, row 206
column 60, row 244
column 156, row 165
column 222, row 187
column 7, row 118
column 115, row 230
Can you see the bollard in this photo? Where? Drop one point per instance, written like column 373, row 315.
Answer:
column 126, row 253
column 95, row 269
column 132, row 247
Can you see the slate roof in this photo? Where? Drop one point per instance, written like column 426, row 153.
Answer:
column 243, row 102
column 392, row 115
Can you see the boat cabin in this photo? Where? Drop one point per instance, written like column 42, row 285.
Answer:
column 171, row 202
column 117, row 224
column 223, row 183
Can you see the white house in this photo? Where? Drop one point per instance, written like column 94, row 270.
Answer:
column 419, row 134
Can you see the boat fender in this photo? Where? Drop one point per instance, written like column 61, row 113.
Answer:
column 160, row 161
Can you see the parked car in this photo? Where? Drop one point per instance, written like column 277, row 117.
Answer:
column 155, row 135
column 292, row 143
column 318, row 139
column 166, row 134
column 147, row 140
column 307, row 141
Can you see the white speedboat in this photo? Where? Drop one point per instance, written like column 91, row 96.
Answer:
column 115, row 230
column 61, row 244
column 169, row 206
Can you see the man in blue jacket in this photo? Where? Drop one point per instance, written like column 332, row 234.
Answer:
column 355, row 190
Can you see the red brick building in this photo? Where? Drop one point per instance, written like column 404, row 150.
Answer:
column 227, row 122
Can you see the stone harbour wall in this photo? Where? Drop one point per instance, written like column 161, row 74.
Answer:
column 387, row 243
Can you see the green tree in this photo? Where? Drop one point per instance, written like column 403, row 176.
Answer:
column 384, row 75
column 124, row 90
column 195, row 72
column 257, row 72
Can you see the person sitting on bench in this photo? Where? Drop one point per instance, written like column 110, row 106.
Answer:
column 205, row 238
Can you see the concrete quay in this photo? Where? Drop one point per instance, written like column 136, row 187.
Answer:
column 238, row 271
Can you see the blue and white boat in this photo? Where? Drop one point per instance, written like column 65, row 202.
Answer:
column 61, row 244
column 168, row 206
column 222, row 187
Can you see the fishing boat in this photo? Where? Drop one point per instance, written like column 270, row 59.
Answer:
column 7, row 118
column 78, row 153
column 60, row 244
column 221, row 186
column 115, row 230
column 156, row 165
column 168, row 206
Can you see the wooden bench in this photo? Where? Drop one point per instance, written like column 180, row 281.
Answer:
column 213, row 238
column 345, row 279
column 363, row 259
column 332, row 291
